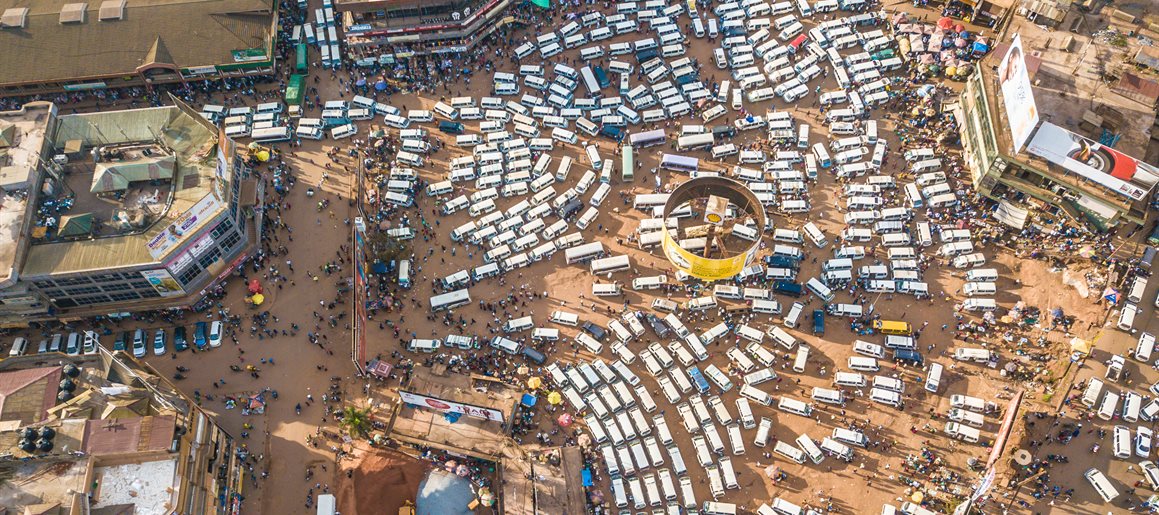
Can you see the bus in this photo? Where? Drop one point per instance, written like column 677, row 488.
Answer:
column 648, row 138
column 679, row 163
column 302, row 59
column 296, row 90
column 601, row 77
column 590, row 82
column 628, row 165
column 893, row 327
column 698, row 379
column 271, row 135
column 450, row 300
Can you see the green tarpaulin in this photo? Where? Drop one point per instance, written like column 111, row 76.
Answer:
column 546, row 4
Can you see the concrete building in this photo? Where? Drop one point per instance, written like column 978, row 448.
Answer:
column 118, row 211
column 1094, row 182
column 57, row 45
column 426, row 27
column 115, row 436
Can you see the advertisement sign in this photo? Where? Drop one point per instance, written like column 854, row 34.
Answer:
column 85, row 86
column 451, row 406
column 163, row 282
column 175, row 233
column 1104, row 165
column 249, row 55
column 1021, row 112
column 704, row 268
column 201, row 246
column 199, row 70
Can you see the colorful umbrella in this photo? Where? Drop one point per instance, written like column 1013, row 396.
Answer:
column 554, row 398
column 534, row 383
column 255, row 286
column 258, row 299
column 945, row 23
column 565, row 420
column 263, row 156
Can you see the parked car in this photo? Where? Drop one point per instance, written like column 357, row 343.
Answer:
column 596, row 331
column 159, row 342
column 139, row 343
column 199, row 330
column 180, row 342
column 215, row 334
column 122, row 341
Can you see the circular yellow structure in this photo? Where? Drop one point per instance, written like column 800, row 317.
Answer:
column 710, row 269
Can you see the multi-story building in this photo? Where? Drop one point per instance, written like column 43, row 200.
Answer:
column 119, row 210
column 105, row 432
column 428, row 27
column 58, row 45
column 1088, row 177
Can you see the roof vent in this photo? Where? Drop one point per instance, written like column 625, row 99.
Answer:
column 112, row 10
column 73, row 13
column 14, row 18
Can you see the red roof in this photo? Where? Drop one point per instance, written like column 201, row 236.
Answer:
column 17, row 380
column 798, row 41
column 128, row 435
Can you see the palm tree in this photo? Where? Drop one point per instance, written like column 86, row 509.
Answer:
column 356, row 421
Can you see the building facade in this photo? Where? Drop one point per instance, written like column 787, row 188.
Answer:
column 74, row 47
column 164, row 241
column 1000, row 173
column 435, row 27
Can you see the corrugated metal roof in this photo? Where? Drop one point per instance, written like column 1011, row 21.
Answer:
column 197, row 33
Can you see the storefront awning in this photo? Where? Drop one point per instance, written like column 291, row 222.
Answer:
column 1011, row 215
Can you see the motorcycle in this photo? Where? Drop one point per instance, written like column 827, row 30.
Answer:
column 298, row 408
column 178, row 376
column 182, row 369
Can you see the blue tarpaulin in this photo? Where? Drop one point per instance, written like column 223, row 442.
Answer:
column 586, row 474
column 379, row 267
column 452, row 417
column 981, row 47
column 528, row 400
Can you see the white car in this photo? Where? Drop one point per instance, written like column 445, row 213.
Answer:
column 1143, row 438
column 215, row 334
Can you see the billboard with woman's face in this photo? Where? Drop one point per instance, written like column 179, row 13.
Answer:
column 1017, row 97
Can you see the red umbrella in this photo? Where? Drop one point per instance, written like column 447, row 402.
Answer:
column 945, row 23
column 255, row 286
column 959, row 28
column 565, row 420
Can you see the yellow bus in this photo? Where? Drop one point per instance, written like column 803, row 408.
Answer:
column 893, row 327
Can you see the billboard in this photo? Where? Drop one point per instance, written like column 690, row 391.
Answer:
column 1106, row 166
column 703, row 268
column 163, row 283
column 1021, row 112
column 451, row 406
column 175, row 233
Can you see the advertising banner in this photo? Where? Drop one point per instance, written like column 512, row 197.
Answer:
column 175, row 233
column 1017, row 97
column 705, row 268
column 163, row 282
column 1101, row 164
column 452, row 406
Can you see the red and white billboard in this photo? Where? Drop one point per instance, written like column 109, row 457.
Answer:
column 1102, row 164
column 451, row 406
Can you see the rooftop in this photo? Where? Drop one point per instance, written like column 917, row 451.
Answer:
column 58, row 482
column 116, row 37
column 22, row 135
column 156, row 183
column 1074, row 91
column 143, row 487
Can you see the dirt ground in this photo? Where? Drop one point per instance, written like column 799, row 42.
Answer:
column 383, row 481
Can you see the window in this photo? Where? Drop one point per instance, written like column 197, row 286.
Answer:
column 117, row 287
column 231, row 240
column 92, row 299
column 81, row 290
column 124, row 296
column 222, row 228
column 209, row 257
column 141, row 284
column 189, row 274
column 148, row 293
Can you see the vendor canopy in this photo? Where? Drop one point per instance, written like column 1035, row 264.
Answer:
column 117, row 175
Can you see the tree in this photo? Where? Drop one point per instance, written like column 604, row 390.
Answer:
column 355, row 421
